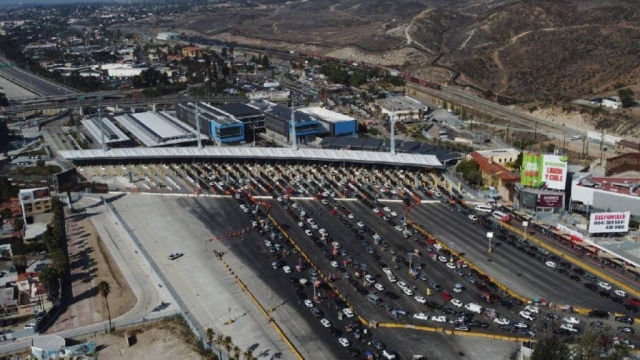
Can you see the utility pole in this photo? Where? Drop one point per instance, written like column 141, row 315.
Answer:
column 393, row 131
column 293, row 128
column 535, row 131
column 198, row 125
column 508, row 126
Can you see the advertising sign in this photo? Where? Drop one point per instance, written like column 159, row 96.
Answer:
column 610, row 222
column 554, row 171
column 528, row 199
column 68, row 352
column 550, row 200
column 575, row 234
column 30, row 195
column 531, row 174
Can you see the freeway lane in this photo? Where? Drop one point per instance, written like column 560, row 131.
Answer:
column 33, row 82
column 516, row 270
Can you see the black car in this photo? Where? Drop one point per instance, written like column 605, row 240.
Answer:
column 590, row 286
column 354, row 352
column 509, row 328
column 391, row 295
column 449, row 311
column 301, row 295
column 563, row 272
column 574, row 277
column 616, row 299
column 625, row 319
column 632, row 308
column 604, row 294
column 335, row 331
column 562, row 332
column 432, row 305
column 626, row 330
column 480, row 324
column 578, row 271
column 507, row 304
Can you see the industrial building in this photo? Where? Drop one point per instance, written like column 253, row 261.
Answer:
column 278, row 124
column 103, row 128
column 252, row 118
column 401, row 108
column 153, row 129
column 334, row 123
column 168, row 36
column 216, row 124
column 604, row 194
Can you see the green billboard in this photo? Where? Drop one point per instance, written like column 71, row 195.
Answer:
column 531, row 173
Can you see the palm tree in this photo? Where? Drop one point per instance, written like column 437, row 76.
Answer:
column 6, row 214
column 248, row 354
column 219, row 341
column 228, row 343
column 236, row 352
column 104, row 289
column 210, row 334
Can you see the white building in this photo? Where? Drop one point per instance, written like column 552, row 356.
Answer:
column 402, row 108
column 269, row 84
column 168, row 36
column 121, row 70
column 612, row 103
column 271, row 95
column 500, row 156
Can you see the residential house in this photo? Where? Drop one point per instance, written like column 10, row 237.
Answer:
column 495, row 175
column 626, row 146
column 192, row 51
column 30, row 290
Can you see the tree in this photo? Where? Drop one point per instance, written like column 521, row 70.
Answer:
column 6, row 214
column 247, row 355
column 50, row 281
column 551, row 348
column 219, row 342
column 223, row 53
column 40, row 163
column 3, row 99
column 236, row 352
column 626, row 97
column 265, row 62
column 18, row 224
column 210, row 335
column 228, row 344
column 104, row 289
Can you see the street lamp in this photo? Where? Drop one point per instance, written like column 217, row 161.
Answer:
column 524, row 225
column 490, row 236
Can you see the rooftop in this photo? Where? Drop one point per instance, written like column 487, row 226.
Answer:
column 611, row 184
column 240, row 110
column 157, row 128
column 112, row 134
column 491, row 168
column 326, row 115
column 256, row 153
column 498, row 152
column 212, row 113
column 399, row 103
column 285, row 114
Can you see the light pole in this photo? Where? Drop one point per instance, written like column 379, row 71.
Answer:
column 490, row 236
column 524, row 225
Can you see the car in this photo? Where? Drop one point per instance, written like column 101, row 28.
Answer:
column 574, row 277
column 439, row 318
column 175, row 256
column 402, row 284
column 480, row 324
column 501, row 321
column 526, row 315
column 532, row 309
column 31, row 325
column 451, row 265
column 569, row 327
column 369, row 279
column 351, row 216
column 378, row 345
column 520, row 325
column 286, row 269
column 626, row 330
column 456, row 302
column 393, row 213
column 399, row 228
column 316, row 312
column 348, row 313
column 551, row 264
column 590, row 286
column 604, row 294
column 335, row 331
column 344, row 342
column 389, row 355
column 443, row 259
column 326, row 323
column 625, row 319
column 420, row 299
column 345, row 275
column 407, row 291
column 308, row 232
column 604, row 285
column 386, row 209
column 527, row 333
column 378, row 287
column 308, row 303
column 634, row 301
column 354, row 352
column 616, row 299
column 437, row 246
column 571, row 320
column 391, row 295
column 621, row 293
column 334, row 264
column 462, row 328
column 631, row 308
column 473, row 217
column 421, row 316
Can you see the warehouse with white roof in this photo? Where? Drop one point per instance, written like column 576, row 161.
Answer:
column 154, row 129
column 335, row 123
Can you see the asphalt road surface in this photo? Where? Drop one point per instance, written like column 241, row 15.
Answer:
column 31, row 81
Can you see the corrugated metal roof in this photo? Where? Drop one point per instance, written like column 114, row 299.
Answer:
column 257, row 153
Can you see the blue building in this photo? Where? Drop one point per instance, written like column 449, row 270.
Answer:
column 220, row 126
column 278, row 124
column 333, row 123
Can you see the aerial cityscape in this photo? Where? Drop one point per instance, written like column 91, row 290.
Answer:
column 271, row 179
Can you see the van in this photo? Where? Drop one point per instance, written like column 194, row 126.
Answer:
column 374, row 299
column 484, row 208
column 474, row 308
column 576, row 137
column 601, row 314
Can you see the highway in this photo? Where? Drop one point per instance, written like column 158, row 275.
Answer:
column 31, row 81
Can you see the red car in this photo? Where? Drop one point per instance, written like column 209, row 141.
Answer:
column 634, row 301
column 380, row 214
column 446, row 296
column 333, row 212
column 431, row 241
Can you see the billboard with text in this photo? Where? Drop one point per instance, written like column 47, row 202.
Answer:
column 550, row 200
column 531, row 174
column 610, row 222
column 554, row 171
column 30, row 195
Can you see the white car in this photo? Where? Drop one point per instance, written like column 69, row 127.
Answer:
column 437, row 246
column 300, row 223
column 375, row 210
column 569, row 327
column 402, row 284
column 370, row 279
column 315, row 227
column 391, row 278
column 399, row 228
column 336, row 245
column 526, row 315
column 551, row 264
column 347, row 312
column 386, row 208
column 456, row 302
column 532, row 309
column 254, row 223
column 443, row 259
column 326, row 323
column 351, row 216
column 501, row 321
column 308, row 303
column 31, row 325
column 421, row 299
column 308, row 232
column 175, row 256
column 324, row 201
column 451, row 265
column 360, row 224
column 379, row 287
column 334, row 264
column 344, row 342
column 421, row 316
column 571, row 320
column 621, row 293
column 286, row 269
column 267, row 242
column 394, row 214
column 604, row 285
column 473, row 218
column 439, row 319
column 407, row 291
column 387, row 271
column 279, row 199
